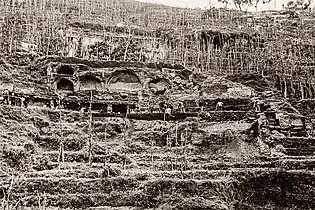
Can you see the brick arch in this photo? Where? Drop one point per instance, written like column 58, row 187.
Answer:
column 124, row 80
column 65, row 85
column 90, row 82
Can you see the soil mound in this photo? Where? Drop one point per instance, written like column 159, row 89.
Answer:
column 255, row 81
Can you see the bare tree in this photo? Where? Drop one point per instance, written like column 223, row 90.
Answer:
column 240, row 3
column 298, row 4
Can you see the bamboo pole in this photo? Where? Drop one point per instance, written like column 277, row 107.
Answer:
column 125, row 141
column 105, row 139
column 61, row 158
column 90, row 129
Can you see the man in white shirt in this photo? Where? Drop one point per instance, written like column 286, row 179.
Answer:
column 168, row 113
column 181, row 107
column 219, row 106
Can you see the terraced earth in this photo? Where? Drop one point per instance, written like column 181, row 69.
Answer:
column 192, row 163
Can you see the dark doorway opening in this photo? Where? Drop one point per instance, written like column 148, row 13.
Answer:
column 71, row 105
column 122, row 108
column 99, row 107
column 95, row 107
column 65, row 85
column 39, row 102
column 68, row 70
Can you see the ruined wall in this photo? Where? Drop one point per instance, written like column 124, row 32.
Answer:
column 110, row 82
column 106, row 76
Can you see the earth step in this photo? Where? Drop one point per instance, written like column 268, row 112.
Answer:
column 144, row 174
column 84, row 166
column 186, row 165
column 289, row 162
column 113, row 200
column 178, row 150
column 71, row 185
column 297, row 164
column 116, row 208
column 294, row 141
column 297, row 157
column 206, row 174
column 215, row 116
column 41, row 208
column 284, row 164
column 146, row 195
column 84, row 157
column 173, row 157
column 306, row 151
column 75, row 173
column 52, row 143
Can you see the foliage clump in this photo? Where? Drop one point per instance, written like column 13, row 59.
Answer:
column 15, row 156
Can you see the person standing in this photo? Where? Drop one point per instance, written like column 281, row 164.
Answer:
column 219, row 106
column 168, row 113
column 263, row 125
column 6, row 97
column 52, row 104
column 181, row 107
column 22, row 99
column 13, row 99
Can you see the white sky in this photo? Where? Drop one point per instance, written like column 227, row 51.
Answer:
column 274, row 4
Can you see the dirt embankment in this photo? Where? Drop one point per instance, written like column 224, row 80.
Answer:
column 255, row 81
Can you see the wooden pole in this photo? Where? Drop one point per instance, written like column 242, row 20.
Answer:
column 105, row 137
column 176, row 135
column 61, row 158
column 125, row 142
column 90, row 130
column 152, row 159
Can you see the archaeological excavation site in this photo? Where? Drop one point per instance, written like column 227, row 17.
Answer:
column 131, row 105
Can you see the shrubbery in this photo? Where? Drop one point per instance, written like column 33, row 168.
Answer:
column 16, row 156
column 42, row 163
column 110, row 171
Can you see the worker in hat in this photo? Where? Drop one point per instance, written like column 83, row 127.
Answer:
column 263, row 124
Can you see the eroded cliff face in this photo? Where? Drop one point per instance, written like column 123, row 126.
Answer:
column 93, row 134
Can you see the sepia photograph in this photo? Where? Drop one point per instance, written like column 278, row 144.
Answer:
column 157, row 104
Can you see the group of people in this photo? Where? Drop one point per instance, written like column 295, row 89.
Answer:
column 10, row 98
column 167, row 109
column 261, row 126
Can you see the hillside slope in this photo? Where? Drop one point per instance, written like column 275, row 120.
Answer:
column 201, row 159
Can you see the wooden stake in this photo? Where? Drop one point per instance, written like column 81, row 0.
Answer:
column 152, row 159
column 105, row 134
column 176, row 142
column 90, row 130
